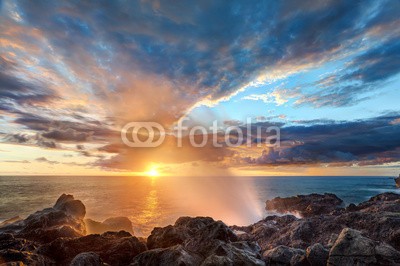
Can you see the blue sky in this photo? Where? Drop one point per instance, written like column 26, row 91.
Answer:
column 72, row 74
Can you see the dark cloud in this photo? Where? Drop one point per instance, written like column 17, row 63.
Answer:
column 18, row 138
column 15, row 90
column 67, row 135
column 371, row 141
column 59, row 130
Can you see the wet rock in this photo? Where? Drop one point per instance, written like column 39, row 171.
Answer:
column 282, row 255
column 351, row 208
column 200, row 240
column 87, row 259
column 305, row 205
column 236, row 253
column 110, row 224
column 64, row 219
column 175, row 255
column 378, row 218
column 317, row 255
column 397, row 181
column 17, row 257
column 69, row 205
column 114, row 248
column 352, row 248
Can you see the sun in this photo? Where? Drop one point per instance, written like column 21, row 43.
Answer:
column 153, row 172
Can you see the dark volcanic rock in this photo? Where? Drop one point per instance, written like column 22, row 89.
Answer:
column 351, row 248
column 283, row 255
column 317, row 255
column 115, row 248
column 175, row 255
column 62, row 220
column 110, row 224
column 305, row 205
column 199, row 240
column 87, row 259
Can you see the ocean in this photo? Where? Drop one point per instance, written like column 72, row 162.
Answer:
column 158, row 201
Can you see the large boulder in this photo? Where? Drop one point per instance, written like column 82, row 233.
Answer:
column 87, row 259
column 317, row 255
column 305, row 205
column 283, row 255
column 64, row 219
column 114, row 248
column 352, row 248
column 199, row 240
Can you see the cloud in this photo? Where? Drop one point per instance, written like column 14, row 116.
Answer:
column 102, row 64
column 372, row 141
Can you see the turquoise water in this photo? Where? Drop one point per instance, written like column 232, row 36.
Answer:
column 151, row 202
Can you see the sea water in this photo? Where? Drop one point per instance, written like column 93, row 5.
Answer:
column 159, row 201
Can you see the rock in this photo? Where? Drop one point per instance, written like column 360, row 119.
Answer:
column 17, row 257
column 69, row 205
column 64, row 219
column 281, row 255
column 200, row 240
column 351, row 208
column 397, row 180
column 111, row 224
column 352, row 248
column 305, row 205
column 236, row 253
column 317, row 255
column 87, row 259
column 114, row 248
column 378, row 218
column 175, row 255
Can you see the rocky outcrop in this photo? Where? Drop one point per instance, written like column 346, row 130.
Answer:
column 87, row 259
column 57, row 236
column 114, row 248
column 351, row 248
column 305, row 205
column 378, row 218
column 317, row 255
column 283, row 255
column 64, row 219
column 195, row 241
column 110, row 224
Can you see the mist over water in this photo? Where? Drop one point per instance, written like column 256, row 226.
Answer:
column 150, row 202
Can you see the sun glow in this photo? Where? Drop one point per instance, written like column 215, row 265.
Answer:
column 153, row 172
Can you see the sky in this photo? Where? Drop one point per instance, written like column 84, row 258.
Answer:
column 74, row 73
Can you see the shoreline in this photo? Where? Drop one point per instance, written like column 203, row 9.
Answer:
column 321, row 227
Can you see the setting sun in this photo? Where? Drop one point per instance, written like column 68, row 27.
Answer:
column 152, row 172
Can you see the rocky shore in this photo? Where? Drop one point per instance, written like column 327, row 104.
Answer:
column 323, row 232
